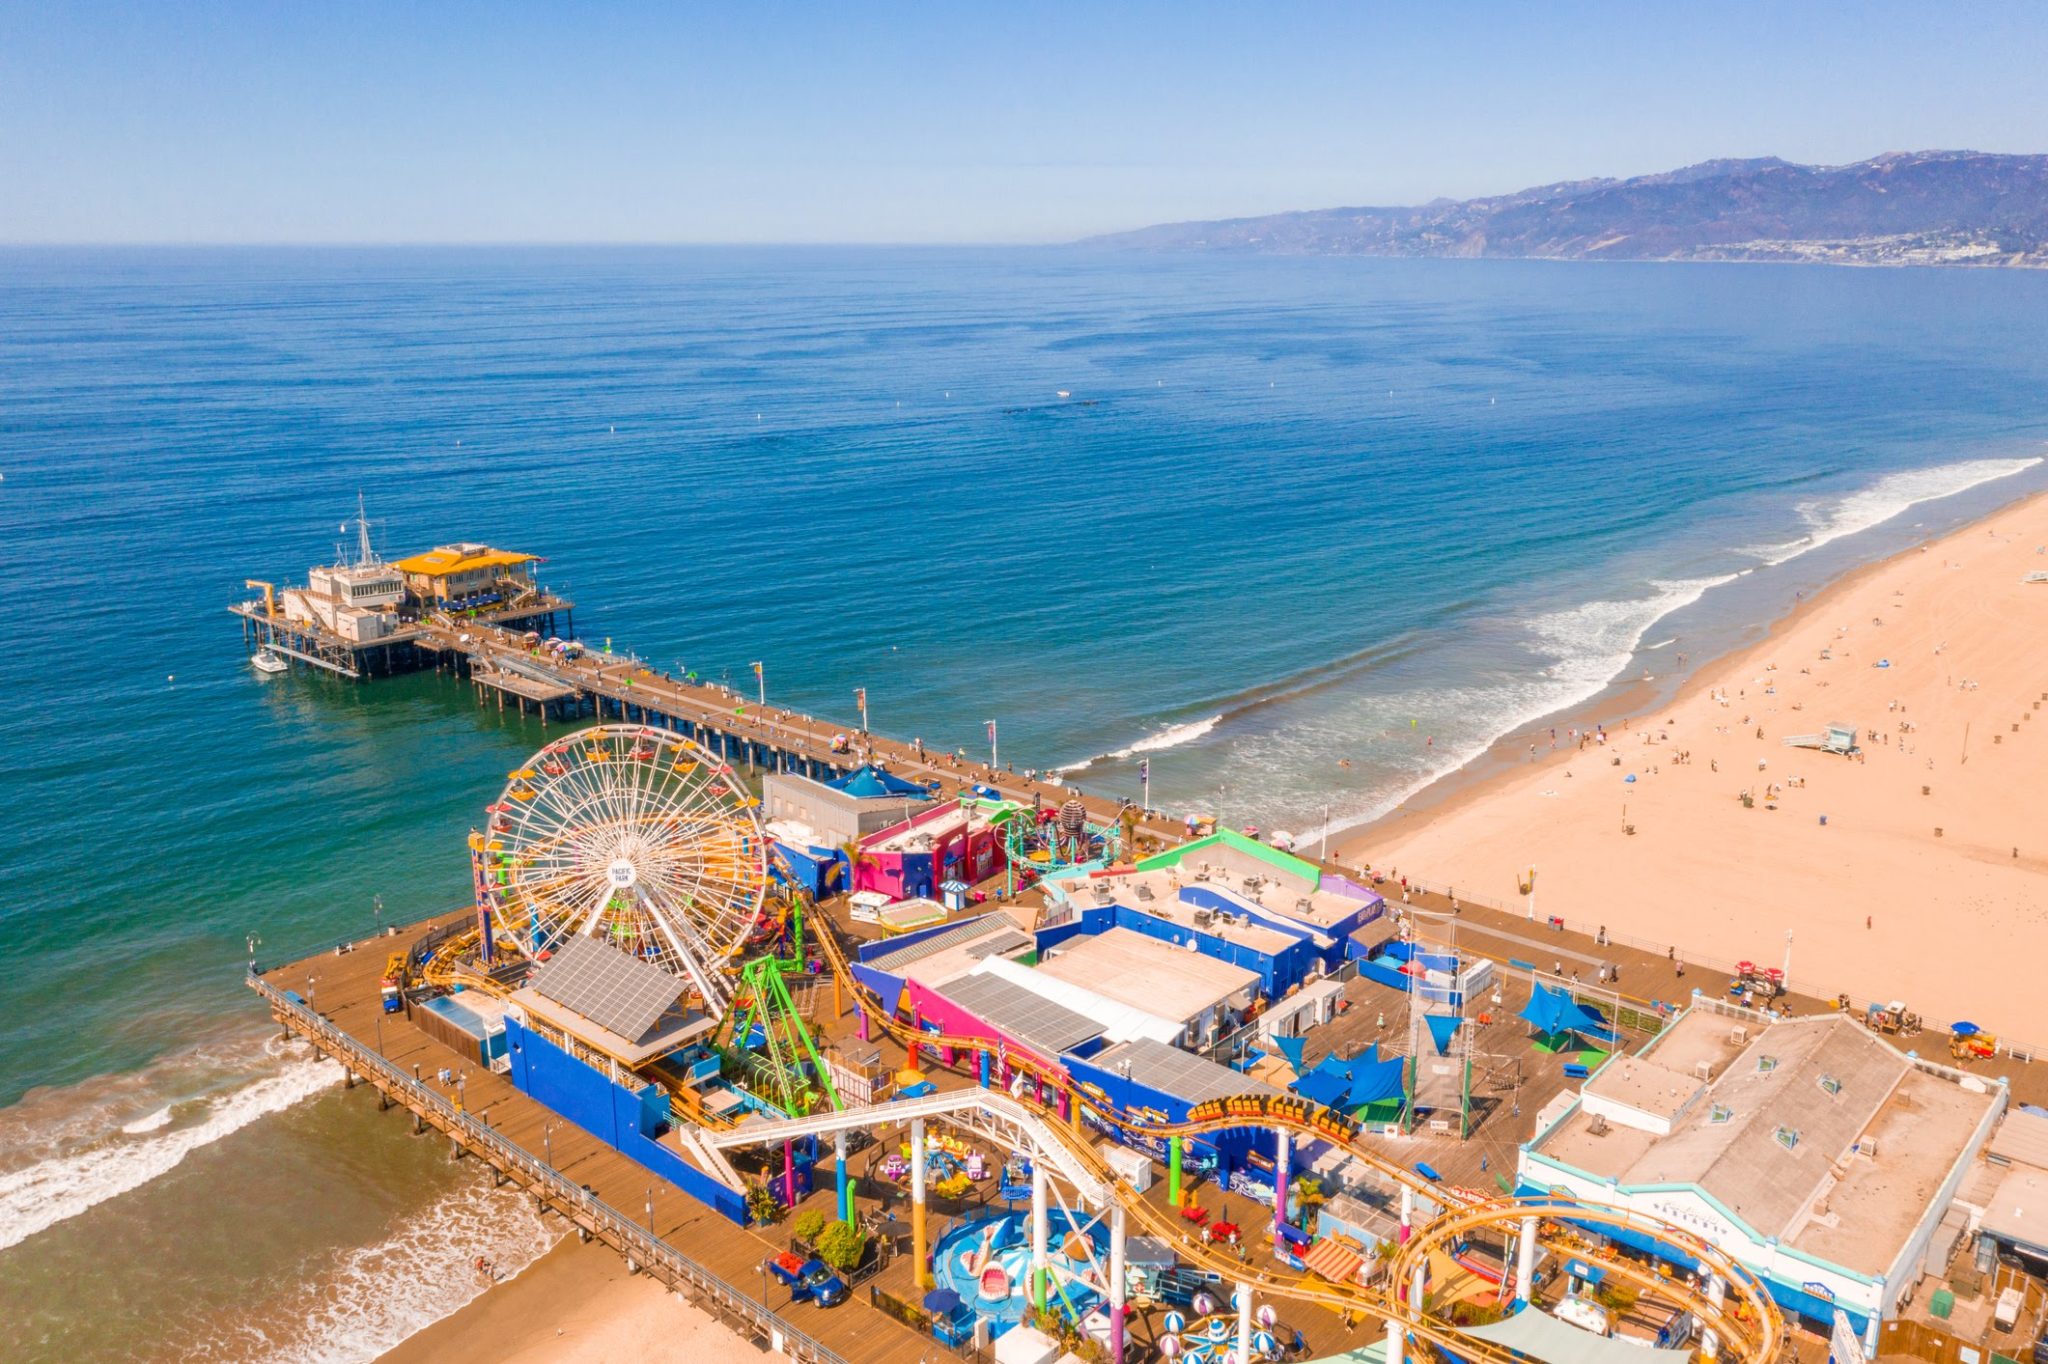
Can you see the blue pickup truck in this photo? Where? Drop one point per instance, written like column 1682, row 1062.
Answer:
column 811, row 1279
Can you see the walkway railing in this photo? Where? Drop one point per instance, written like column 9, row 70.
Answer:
column 2017, row 1049
column 600, row 1218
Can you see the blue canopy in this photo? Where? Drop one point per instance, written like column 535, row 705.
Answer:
column 1376, row 1081
column 871, row 782
column 1442, row 1029
column 1552, row 1010
column 1291, row 1048
column 1348, row 1085
column 1324, row 1087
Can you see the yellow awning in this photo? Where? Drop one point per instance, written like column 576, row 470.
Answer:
column 441, row 562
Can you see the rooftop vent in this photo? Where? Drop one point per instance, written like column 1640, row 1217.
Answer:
column 1738, row 1036
column 1867, row 1146
column 1597, row 1124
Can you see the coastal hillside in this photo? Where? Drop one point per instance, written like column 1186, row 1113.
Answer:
column 1903, row 208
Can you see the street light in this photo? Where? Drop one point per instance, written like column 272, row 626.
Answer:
column 650, row 1210
column 377, row 907
column 547, row 1143
column 462, row 1091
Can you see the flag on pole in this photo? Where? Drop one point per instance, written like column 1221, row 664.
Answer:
column 991, row 730
column 860, row 697
column 757, row 670
column 1144, row 767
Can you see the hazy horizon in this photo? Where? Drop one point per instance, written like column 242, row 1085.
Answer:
column 241, row 124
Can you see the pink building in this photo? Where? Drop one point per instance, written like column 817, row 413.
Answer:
column 918, row 855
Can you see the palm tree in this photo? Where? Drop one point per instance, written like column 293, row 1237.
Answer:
column 856, row 857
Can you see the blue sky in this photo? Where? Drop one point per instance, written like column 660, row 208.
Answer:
column 749, row 122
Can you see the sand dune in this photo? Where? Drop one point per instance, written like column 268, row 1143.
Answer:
column 1928, row 880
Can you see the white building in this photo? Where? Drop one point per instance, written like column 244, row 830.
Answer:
column 1812, row 1151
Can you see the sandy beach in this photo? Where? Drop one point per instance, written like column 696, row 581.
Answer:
column 574, row 1305
column 1915, row 869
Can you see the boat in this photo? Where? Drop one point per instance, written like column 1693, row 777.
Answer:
column 268, row 660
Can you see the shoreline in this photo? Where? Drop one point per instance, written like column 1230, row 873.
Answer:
column 1914, row 849
column 1621, row 701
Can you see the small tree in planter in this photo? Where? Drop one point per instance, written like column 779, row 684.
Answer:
column 808, row 1225
column 842, row 1246
column 763, row 1207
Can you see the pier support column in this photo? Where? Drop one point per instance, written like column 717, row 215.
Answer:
column 845, row 1188
column 1038, row 1233
column 1525, row 1262
column 1407, row 1213
column 454, row 1147
column 982, row 1067
column 917, row 1228
column 1396, row 1339
column 348, row 1078
column 1116, row 1282
column 1283, row 1156
column 1244, row 1321
column 419, row 1125
column 1418, row 1289
column 789, row 1173
column 1173, row 1171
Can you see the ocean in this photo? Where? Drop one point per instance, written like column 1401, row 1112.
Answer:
column 1304, row 534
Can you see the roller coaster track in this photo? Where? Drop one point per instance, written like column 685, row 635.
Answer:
column 1747, row 1319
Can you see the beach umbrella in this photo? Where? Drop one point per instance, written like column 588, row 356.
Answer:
column 1169, row 1346
column 941, row 1300
column 1175, row 1323
column 1966, row 1030
column 1630, row 777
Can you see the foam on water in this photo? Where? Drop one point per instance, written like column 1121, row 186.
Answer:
column 90, row 1155
column 1591, row 646
column 1173, row 736
column 372, row 1297
column 1886, row 498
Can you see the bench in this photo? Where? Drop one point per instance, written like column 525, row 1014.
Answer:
column 1574, row 1071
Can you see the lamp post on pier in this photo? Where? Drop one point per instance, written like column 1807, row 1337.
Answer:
column 761, row 685
column 547, row 1144
column 992, row 760
column 650, row 1210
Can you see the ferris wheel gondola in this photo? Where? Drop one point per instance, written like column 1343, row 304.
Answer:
column 635, row 836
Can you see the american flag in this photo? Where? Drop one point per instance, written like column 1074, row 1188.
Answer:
column 860, row 697
column 1144, row 767
column 991, row 730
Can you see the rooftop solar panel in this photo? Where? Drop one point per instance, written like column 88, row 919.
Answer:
column 1053, row 1028
column 619, row 993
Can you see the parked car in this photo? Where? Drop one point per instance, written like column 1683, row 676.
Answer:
column 812, row 1279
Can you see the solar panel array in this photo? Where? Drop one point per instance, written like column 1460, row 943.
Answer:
column 1173, row 1071
column 619, row 993
column 1030, row 1018
column 896, row 959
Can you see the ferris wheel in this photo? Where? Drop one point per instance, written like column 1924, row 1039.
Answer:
column 635, row 836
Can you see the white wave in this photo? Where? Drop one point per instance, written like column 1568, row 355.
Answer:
column 1592, row 646
column 64, row 1185
column 1172, row 736
column 375, row 1296
column 1662, row 643
column 160, row 1118
column 1885, row 499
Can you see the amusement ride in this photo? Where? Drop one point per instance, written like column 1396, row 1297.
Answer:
column 639, row 837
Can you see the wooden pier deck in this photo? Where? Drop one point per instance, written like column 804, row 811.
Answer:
column 600, row 1193
column 604, row 1195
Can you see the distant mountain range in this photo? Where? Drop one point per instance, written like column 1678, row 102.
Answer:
column 1903, row 208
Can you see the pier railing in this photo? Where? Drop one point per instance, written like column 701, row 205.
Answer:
column 599, row 1218
column 2014, row 1047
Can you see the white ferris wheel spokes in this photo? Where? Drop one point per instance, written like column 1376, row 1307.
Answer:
column 639, row 837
